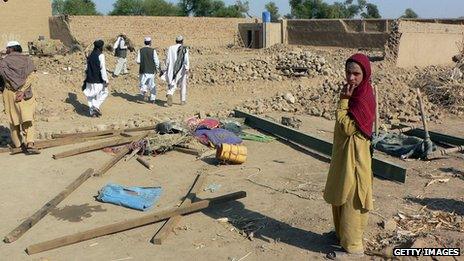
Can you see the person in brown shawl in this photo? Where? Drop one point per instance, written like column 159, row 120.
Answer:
column 18, row 77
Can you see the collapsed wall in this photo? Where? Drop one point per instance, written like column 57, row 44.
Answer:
column 339, row 33
column 197, row 31
column 413, row 43
column 24, row 20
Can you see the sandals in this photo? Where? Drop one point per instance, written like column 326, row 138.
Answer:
column 343, row 255
column 30, row 149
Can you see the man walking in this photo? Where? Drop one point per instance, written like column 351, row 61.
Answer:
column 17, row 78
column 120, row 51
column 177, row 65
column 96, row 81
column 148, row 60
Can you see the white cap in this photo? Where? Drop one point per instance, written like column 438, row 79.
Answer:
column 147, row 39
column 12, row 43
column 179, row 38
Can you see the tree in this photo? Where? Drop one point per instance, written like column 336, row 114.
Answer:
column 214, row 8
column 57, row 7
column 318, row 9
column 372, row 11
column 272, row 8
column 160, row 8
column 409, row 13
column 128, row 7
column 74, row 7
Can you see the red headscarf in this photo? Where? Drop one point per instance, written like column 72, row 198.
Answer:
column 362, row 102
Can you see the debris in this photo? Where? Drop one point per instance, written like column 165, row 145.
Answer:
column 437, row 180
column 291, row 122
column 222, row 220
column 389, row 225
column 212, row 187
column 133, row 223
column 145, row 163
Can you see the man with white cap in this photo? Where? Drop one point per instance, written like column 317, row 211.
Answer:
column 96, row 79
column 148, row 60
column 17, row 79
column 177, row 66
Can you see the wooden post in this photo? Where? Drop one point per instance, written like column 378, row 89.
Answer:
column 169, row 226
column 145, row 163
column 133, row 223
column 38, row 215
column 102, row 145
column 424, row 119
column 377, row 114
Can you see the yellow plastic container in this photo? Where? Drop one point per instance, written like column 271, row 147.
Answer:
column 236, row 154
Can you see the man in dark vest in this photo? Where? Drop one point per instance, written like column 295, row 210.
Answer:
column 148, row 60
column 96, row 80
column 120, row 51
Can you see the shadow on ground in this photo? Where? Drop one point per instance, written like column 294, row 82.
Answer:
column 79, row 107
column 271, row 230
column 76, row 213
column 442, row 204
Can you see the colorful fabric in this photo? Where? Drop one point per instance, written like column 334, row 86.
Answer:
column 362, row 102
column 217, row 136
column 140, row 198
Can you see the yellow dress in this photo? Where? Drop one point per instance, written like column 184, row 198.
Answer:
column 349, row 182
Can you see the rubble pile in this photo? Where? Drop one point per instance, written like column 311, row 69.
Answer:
column 231, row 72
column 291, row 62
column 405, row 229
column 398, row 102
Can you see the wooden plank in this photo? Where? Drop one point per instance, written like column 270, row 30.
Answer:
column 130, row 224
column 169, row 226
column 145, row 163
column 38, row 215
column 102, row 133
column 437, row 137
column 124, row 151
column 94, row 147
column 380, row 167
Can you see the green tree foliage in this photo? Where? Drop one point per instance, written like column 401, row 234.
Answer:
column 409, row 13
column 272, row 8
column 213, row 8
column 74, row 7
column 127, row 7
column 160, row 8
column 145, row 7
column 319, row 9
column 372, row 11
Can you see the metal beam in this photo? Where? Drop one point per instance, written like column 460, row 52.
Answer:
column 381, row 168
column 437, row 137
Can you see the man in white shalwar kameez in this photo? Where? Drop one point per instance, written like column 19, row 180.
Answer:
column 177, row 66
column 120, row 51
column 148, row 60
column 96, row 81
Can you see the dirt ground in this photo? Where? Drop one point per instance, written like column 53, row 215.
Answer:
column 284, row 185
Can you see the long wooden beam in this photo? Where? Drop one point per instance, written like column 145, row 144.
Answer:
column 101, row 133
column 437, row 137
column 381, row 168
column 133, row 223
column 94, row 147
column 39, row 214
column 170, row 224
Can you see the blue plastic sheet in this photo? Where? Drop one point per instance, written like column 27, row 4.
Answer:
column 140, row 198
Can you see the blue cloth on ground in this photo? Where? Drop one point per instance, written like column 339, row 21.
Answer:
column 140, row 198
column 218, row 136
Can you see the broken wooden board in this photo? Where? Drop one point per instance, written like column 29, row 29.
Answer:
column 380, row 167
column 39, row 214
column 169, row 226
column 132, row 223
column 102, row 133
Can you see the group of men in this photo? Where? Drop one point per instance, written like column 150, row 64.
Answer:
column 175, row 71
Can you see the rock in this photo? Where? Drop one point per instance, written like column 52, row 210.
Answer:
column 289, row 98
column 52, row 118
column 389, row 225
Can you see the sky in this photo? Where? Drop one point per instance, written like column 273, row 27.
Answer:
column 388, row 8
